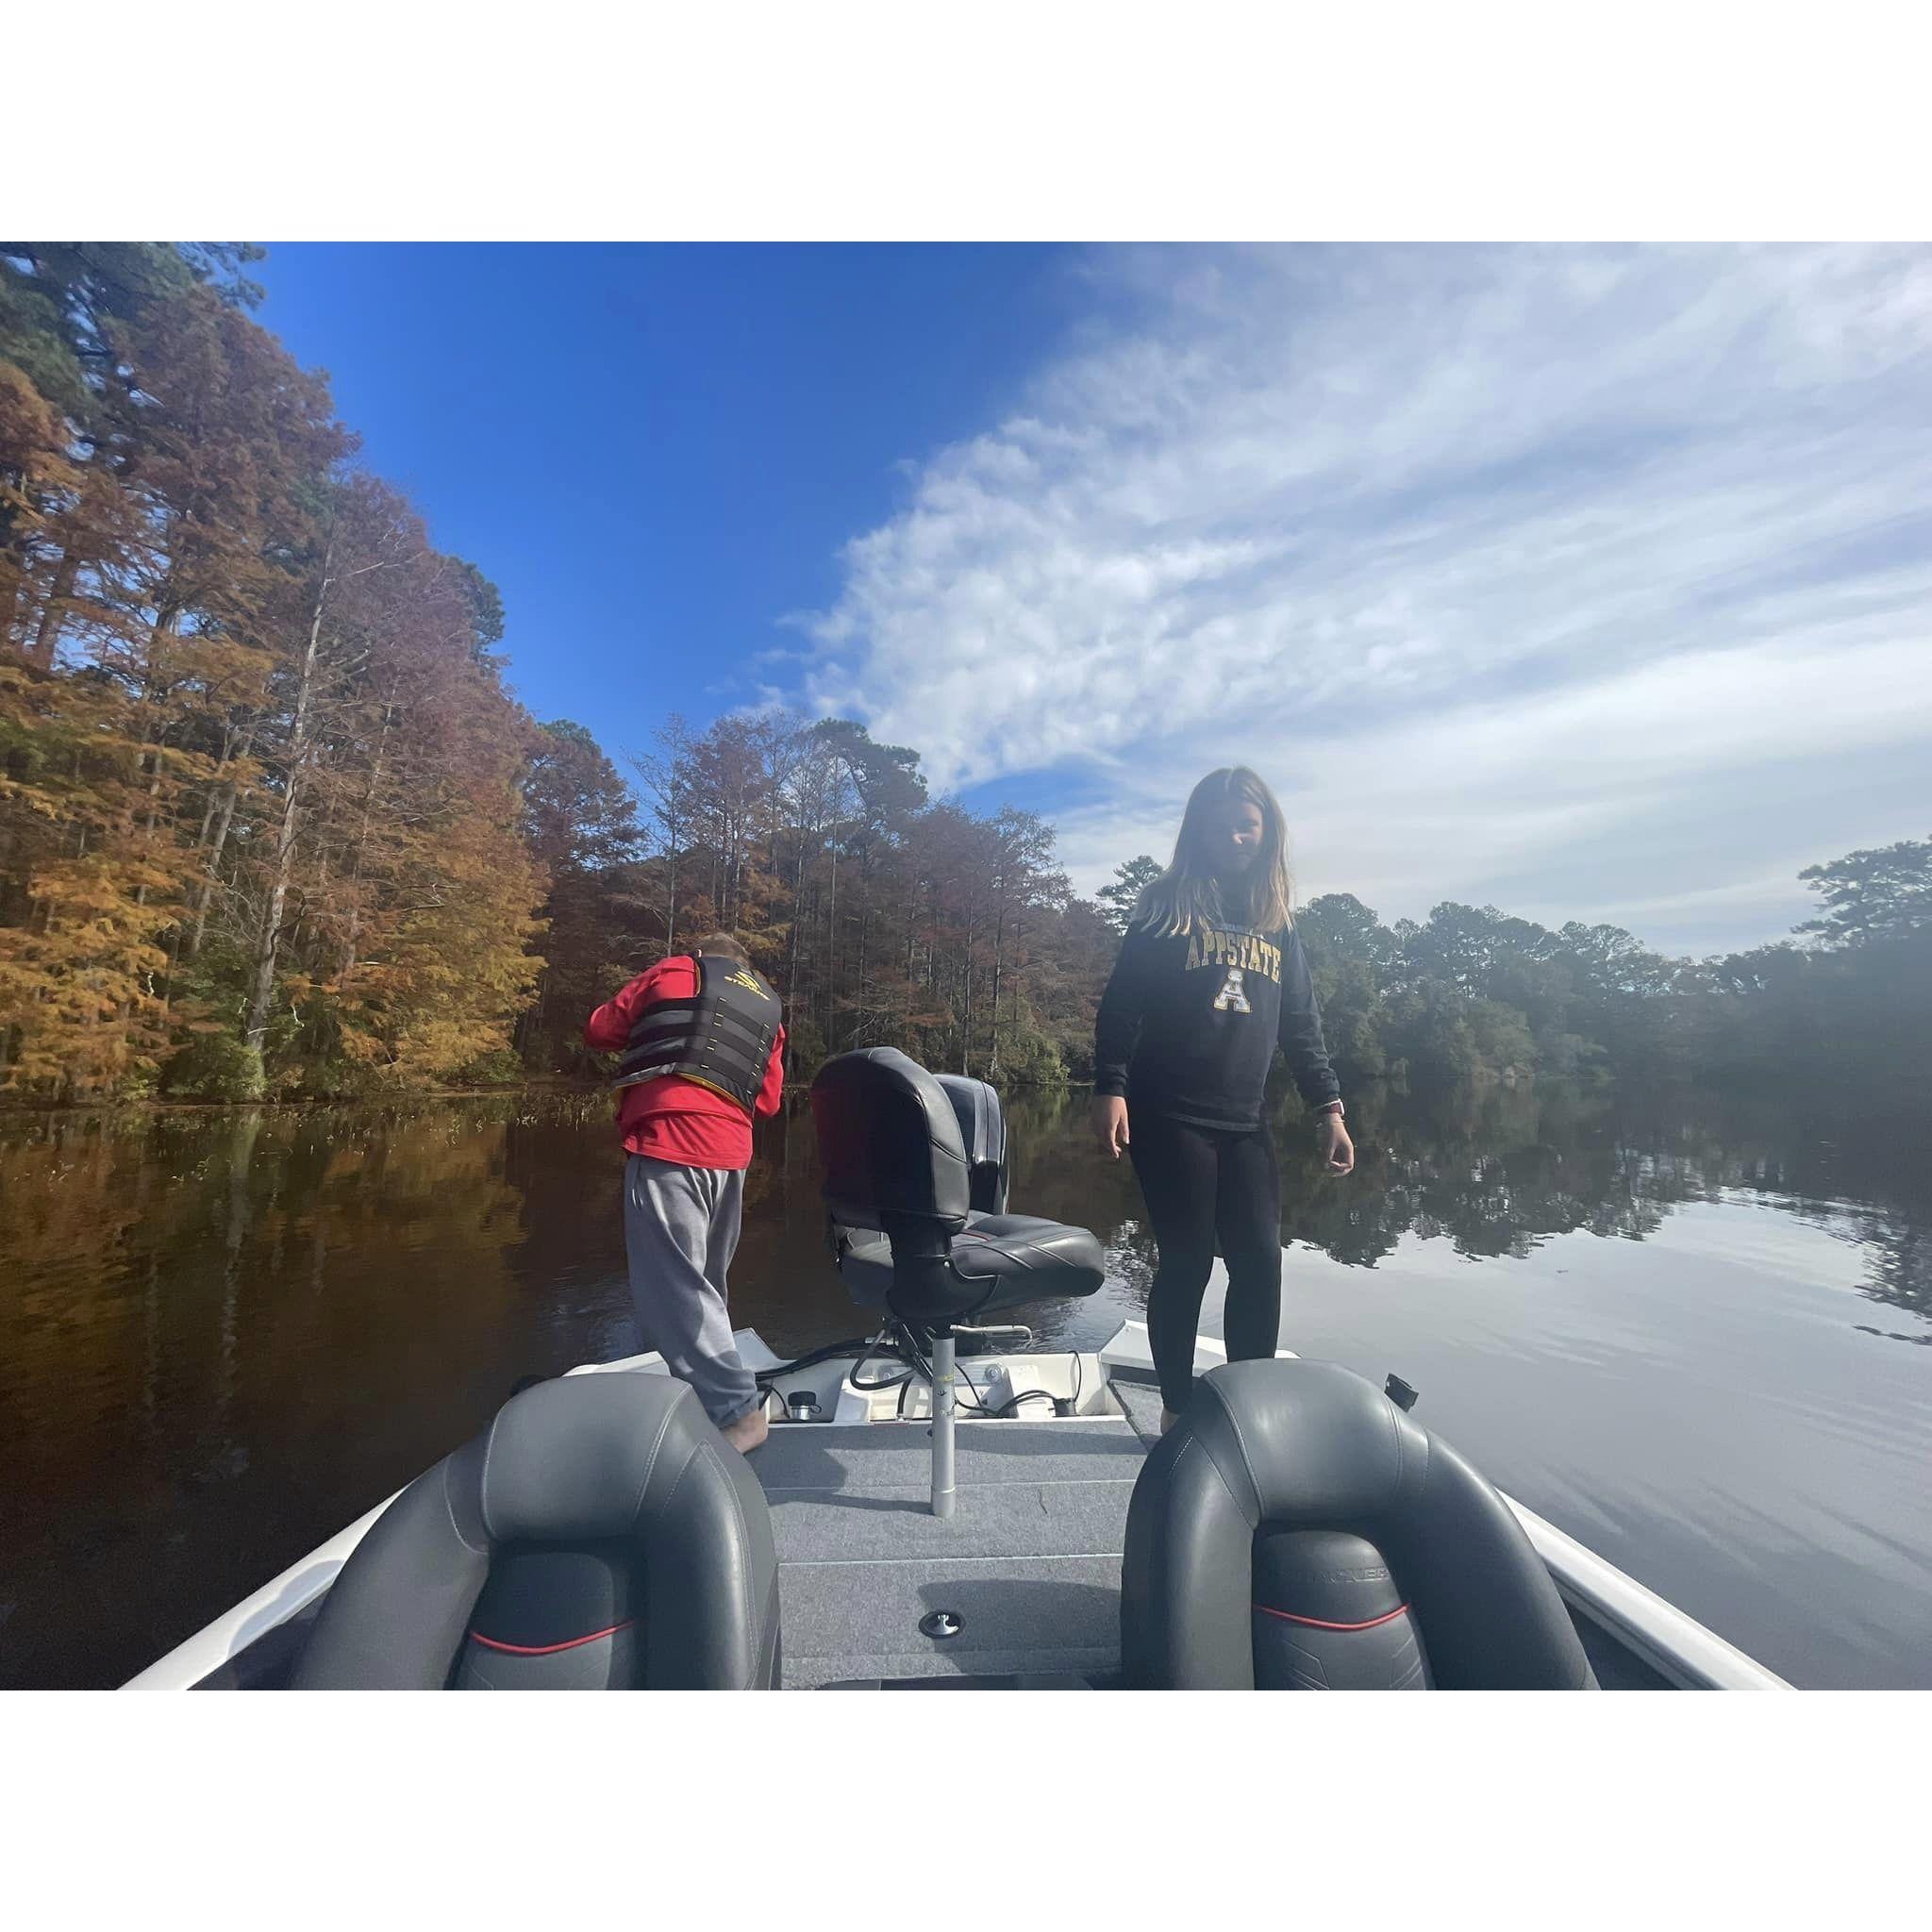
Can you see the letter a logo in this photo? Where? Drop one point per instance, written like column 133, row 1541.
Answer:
column 1233, row 997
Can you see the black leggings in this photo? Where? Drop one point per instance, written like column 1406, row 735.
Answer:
column 1198, row 1183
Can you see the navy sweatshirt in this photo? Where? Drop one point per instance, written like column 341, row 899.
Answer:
column 1189, row 1022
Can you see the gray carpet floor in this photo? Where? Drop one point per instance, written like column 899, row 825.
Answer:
column 1029, row 1562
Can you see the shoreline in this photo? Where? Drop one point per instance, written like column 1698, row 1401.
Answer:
column 33, row 1111
column 19, row 1110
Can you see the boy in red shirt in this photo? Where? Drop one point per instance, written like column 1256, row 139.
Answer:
column 704, row 1054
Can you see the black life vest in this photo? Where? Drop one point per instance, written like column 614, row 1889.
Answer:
column 722, row 1039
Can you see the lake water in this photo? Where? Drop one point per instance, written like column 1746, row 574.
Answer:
column 1698, row 1338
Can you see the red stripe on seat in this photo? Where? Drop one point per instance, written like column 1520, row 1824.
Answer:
column 547, row 1649
column 1317, row 1624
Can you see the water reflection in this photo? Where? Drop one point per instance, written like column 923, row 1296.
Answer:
column 225, row 1334
column 1499, row 1173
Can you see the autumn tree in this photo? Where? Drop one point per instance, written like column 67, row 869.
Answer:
column 260, row 812
column 579, row 820
column 199, row 441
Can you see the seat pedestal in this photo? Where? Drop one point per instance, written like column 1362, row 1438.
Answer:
column 944, row 1491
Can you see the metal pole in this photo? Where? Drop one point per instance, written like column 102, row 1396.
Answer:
column 942, row 1424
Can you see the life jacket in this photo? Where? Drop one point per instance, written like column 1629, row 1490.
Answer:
column 722, row 1039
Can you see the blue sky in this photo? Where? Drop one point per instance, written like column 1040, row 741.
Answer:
column 1591, row 582
column 657, row 452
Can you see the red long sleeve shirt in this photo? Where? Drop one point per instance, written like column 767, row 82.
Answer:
column 671, row 1118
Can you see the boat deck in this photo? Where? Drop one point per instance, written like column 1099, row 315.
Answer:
column 1029, row 1562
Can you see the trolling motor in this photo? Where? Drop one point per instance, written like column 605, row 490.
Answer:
column 903, row 1191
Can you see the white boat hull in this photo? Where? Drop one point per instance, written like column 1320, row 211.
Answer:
column 1040, row 1388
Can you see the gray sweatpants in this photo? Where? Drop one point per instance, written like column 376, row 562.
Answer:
column 680, row 1229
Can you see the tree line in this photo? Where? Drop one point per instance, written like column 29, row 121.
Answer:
column 1839, row 1013
column 885, row 916
column 270, row 824
column 888, row 918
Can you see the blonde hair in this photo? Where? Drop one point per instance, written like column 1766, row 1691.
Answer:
column 1188, row 894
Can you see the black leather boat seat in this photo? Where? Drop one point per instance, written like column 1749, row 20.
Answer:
column 915, row 1180
column 600, row 1535
column 1011, row 1258
column 1297, row 1530
column 983, row 1135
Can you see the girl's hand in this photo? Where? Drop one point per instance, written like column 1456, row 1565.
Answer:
column 1108, row 1115
column 1332, row 1143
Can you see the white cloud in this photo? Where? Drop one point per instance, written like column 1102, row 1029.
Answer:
column 1501, row 563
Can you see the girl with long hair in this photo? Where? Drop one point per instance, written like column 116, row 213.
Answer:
column 1211, row 980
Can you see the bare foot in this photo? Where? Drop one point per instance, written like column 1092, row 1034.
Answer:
column 747, row 1432
column 1168, row 1419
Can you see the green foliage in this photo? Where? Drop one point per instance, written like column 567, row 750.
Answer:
column 498, row 1068
column 1119, row 896
column 483, row 600
column 1472, row 995
column 1031, row 1059
column 213, row 1066
column 1030, row 1055
column 1873, row 898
